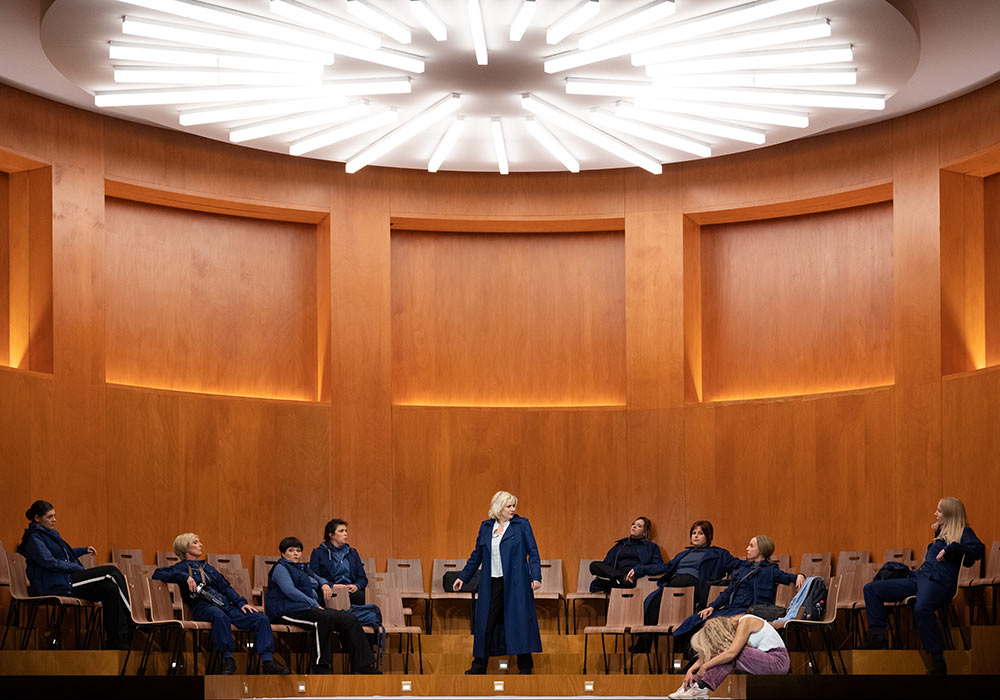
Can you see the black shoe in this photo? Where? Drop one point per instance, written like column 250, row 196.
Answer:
column 876, row 643
column 524, row 671
column 476, row 672
column 322, row 670
column 938, row 668
column 273, row 668
column 368, row 670
column 228, row 666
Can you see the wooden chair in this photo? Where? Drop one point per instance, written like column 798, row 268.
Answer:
column 784, row 561
column 4, row 567
column 583, row 592
column 166, row 559
column 409, row 576
column 849, row 561
column 852, row 600
column 123, row 558
column 161, row 610
column 262, row 564
column 55, row 606
column 137, row 577
column 803, row 627
column 226, row 561
column 903, row 556
column 624, row 613
column 440, row 568
column 368, row 564
column 553, row 589
column 816, row 564
column 978, row 585
column 389, row 599
column 784, row 594
column 675, row 607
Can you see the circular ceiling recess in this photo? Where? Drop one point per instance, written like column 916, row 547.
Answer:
column 487, row 85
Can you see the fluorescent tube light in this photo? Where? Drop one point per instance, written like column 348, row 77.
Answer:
column 176, row 75
column 551, row 144
column 432, row 23
column 777, row 78
column 591, row 134
column 739, row 41
column 649, row 133
column 384, row 57
column 379, row 21
column 207, row 59
column 572, row 20
column 522, row 19
column 756, row 60
column 215, row 39
column 773, row 96
column 478, row 31
column 689, row 123
column 284, row 125
column 496, row 132
column 193, row 95
column 325, row 22
column 629, row 23
column 343, row 132
column 678, row 31
column 257, row 110
column 759, row 115
column 404, row 132
column 370, row 86
column 443, row 148
column 607, row 88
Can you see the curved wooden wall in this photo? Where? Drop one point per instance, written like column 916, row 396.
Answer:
column 588, row 339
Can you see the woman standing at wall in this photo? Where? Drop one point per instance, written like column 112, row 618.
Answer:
column 506, row 622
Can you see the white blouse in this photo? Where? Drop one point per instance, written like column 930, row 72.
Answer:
column 496, row 567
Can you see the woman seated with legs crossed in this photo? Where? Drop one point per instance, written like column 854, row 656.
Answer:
column 744, row 642
column 294, row 594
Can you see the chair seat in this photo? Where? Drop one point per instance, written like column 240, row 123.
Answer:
column 287, row 629
column 62, row 600
column 454, row 595
column 603, row 629
column 986, row 581
column 547, row 596
column 652, row 629
column 416, row 595
column 598, row 595
column 406, row 629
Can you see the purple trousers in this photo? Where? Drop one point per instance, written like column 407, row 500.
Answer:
column 750, row 660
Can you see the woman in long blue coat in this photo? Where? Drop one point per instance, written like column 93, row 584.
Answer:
column 506, row 623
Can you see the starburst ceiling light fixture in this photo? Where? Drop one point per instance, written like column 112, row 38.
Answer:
column 280, row 73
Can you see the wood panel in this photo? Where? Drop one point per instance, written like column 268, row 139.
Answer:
column 491, row 319
column 991, row 269
column 210, row 303
column 797, row 305
column 963, row 317
column 4, row 269
column 18, row 240
column 567, row 467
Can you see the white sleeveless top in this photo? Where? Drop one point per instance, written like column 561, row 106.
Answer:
column 766, row 638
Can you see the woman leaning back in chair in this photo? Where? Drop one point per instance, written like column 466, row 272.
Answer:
column 636, row 550
column 53, row 568
column 933, row 584
column 744, row 642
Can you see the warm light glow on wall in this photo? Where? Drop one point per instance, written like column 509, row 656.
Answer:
column 796, row 392
column 418, row 403
column 272, row 396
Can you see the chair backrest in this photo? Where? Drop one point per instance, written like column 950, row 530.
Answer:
column 262, row 564
column 967, row 573
column 832, row 600
column 583, row 576
column 368, row 564
column 87, row 561
column 384, row 580
column 784, row 561
column 18, row 575
column 166, row 559
column 849, row 561
column 138, row 590
column 4, row 567
column 676, row 606
column 993, row 561
column 125, row 557
column 851, row 584
column 625, row 607
column 552, row 577
column 388, row 599
column 903, row 556
column 340, row 600
column 222, row 561
column 816, row 564
column 441, row 567
column 409, row 575
column 239, row 579
column 714, row 591
column 161, row 608
column 784, row 594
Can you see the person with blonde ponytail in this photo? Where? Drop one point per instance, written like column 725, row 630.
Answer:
column 933, row 584
column 744, row 642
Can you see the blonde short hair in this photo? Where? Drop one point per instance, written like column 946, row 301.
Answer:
column 182, row 542
column 500, row 500
column 955, row 520
column 765, row 545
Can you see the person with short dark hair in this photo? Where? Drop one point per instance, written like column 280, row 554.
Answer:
column 53, row 568
column 213, row 599
column 339, row 563
column 295, row 596
column 627, row 553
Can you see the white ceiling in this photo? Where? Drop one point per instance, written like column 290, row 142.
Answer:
column 916, row 52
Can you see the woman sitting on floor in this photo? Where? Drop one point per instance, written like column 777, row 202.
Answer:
column 743, row 642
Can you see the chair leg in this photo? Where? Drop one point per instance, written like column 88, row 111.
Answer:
column 604, row 652
column 586, row 638
column 29, row 624
column 12, row 613
column 830, row 643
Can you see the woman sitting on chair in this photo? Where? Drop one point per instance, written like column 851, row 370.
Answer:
column 53, row 568
column 212, row 599
column 339, row 563
column 933, row 584
column 636, row 550
column 744, row 642
column 294, row 598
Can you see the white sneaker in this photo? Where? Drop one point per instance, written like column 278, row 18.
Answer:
column 695, row 691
